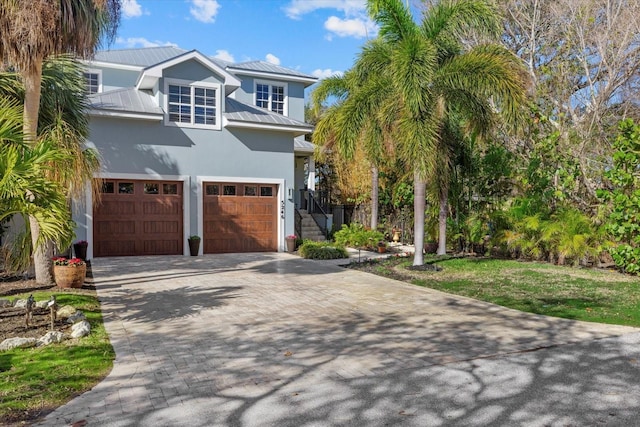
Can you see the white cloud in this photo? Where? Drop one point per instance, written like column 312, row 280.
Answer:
column 224, row 55
column 131, row 9
column 131, row 42
column 327, row 72
column 357, row 27
column 205, row 10
column 271, row 58
column 297, row 8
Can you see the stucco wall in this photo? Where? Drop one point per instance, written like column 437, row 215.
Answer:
column 151, row 149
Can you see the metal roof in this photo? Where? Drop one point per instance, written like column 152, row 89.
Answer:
column 302, row 146
column 240, row 112
column 129, row 100
column 149, row 56
column 143, row 57
column 267, row 67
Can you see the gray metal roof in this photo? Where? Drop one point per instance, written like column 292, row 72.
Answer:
column 302, row 146
column 149, row 56
column 143, row 57
column 240, row 112
column 267, row 67
column 127, row 100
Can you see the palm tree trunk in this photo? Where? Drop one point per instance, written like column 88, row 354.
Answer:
column 374, row 197
column 442, row 217
column 419, row 198
column 41, row 253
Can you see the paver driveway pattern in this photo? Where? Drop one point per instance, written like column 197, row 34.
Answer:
column 275, row 340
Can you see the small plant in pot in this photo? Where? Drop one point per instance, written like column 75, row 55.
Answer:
column 291, row 242
column 194, row 245
column 69, row 272
column 382, row 246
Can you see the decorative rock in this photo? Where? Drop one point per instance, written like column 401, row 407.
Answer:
column 11, row 343
column 76, row 317
column 21, row 303
column 80, row 329
column 51, row 338
column 5, row 303
column 65, row 311
column 42, row 304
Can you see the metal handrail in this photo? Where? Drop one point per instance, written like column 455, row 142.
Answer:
column 298, row 224
column 317, row 213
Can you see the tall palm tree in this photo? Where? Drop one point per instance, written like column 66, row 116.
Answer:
column 32, row 31
column 433, row 81
column 63, row 122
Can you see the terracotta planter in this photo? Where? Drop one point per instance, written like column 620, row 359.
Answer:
column 67, row 276
column 194, row 246
column 291, row 245
column 382, row 249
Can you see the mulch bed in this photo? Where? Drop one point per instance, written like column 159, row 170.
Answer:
column 12, row 320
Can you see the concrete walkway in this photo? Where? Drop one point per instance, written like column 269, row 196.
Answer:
column 275, row 340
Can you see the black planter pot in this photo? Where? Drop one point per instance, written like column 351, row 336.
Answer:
column 194, row 247
column 80, row 249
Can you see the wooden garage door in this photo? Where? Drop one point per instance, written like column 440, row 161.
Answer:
column 138, row 218
column 240, row 217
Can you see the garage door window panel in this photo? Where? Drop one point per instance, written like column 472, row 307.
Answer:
column 126, row 188
column 229, row 190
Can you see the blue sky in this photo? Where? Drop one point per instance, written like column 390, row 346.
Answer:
column 317, row 37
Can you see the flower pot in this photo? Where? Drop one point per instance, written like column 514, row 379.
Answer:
column 382, row 249
column 69, row 276
column 291, row 245
column 80, row 249
column 194, row 247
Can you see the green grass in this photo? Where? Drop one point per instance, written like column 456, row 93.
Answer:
column 37, row 379
column 582, row 294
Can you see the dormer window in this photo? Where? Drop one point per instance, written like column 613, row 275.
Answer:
column 192, row 104
column 271, row 96
column 93, row 81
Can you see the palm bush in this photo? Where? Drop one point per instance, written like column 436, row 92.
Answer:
column 355, row 235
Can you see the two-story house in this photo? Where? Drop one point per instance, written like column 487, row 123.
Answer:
column 192, row 145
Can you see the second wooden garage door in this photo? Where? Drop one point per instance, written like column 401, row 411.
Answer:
column 240, row 217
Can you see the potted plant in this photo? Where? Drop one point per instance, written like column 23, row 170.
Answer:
column 194, row 245
column 382, row 246
column 80, row 249
column 291, row 242
column 69, row 272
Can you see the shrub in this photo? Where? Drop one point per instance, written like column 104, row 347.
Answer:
column 356, row 235
column 322, row 250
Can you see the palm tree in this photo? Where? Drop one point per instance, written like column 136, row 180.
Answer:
column 32, row 31
column 63, row 121
column 436, row 85
column 24, row 186
column 351, row 120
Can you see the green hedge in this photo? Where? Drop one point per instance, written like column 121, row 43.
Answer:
column 357, row 236
column 322, row 250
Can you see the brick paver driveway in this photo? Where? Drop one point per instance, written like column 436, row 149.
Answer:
column 274, row 340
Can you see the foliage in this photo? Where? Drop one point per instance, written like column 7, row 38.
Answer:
column 47, row 377
column 356, row 235
column 322, row 250
column 24, row 184
column 69, row 262
column 623, row 195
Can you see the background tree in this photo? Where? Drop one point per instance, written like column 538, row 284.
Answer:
column 32, row 31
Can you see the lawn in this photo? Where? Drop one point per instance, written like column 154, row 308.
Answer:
column 35, row 381
column 573, row 293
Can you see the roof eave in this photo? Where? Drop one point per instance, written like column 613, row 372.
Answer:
column 307, row 81
column 295, row 130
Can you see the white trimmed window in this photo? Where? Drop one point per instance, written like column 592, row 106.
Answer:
column 93, row 81
column 271, row 96
column 192, row 104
